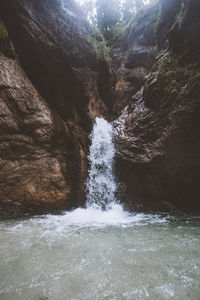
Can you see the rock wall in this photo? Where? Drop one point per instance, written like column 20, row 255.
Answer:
column 51, row 40
column 133, row 55
column 33, row 147
column 158, row 131
column 49, row 92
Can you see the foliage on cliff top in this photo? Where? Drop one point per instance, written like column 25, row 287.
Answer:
column 100, row 46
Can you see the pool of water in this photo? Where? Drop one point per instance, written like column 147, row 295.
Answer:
column 90, row 254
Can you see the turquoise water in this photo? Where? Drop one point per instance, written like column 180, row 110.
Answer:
column 102, row 252
column 91, row 254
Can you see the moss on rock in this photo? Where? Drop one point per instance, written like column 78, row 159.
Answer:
column 3, row 31
column 100, row 46
column 5, row 43
column 171, row 82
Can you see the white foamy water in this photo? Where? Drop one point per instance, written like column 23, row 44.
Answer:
column 90, row 254
column 100, row 254
column 101, row 183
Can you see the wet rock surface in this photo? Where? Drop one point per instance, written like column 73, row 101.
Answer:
column 184, row 36
column 51, row 40
column 46, row 113
column 133, row 56
column 33, row 151
column 158, row 135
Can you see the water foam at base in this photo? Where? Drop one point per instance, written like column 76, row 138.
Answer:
column 102, row 207
column 101, row 251
column 94, row 254
column 95, row 217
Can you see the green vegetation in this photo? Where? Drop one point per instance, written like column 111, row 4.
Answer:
column 4, row 39
column 117, row 32
column 100, row 46
column 3, row 31
column 181, row 14
column 158, row 20
column 173, row 81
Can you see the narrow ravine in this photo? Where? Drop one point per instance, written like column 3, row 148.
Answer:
column 109, row 210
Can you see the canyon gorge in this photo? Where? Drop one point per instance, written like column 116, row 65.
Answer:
column 56, row 78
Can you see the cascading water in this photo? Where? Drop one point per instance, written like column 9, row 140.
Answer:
column 101, row 183
column 94, row 253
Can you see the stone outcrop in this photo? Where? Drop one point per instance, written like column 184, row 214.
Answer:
column 158, row 131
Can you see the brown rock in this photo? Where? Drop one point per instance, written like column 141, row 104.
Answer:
column 133, row 56
column 42, row 166
column 44, row 146
column 33, row 148
column 51, row 39
column 158, row 140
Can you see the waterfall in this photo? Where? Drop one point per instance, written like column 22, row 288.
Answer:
column 101, row 185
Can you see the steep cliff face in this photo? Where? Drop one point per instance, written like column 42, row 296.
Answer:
column 133, row 55
column 49, row 93
column 51, row 40
column 33, row 151
column 158, row 131
column 184, row 35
